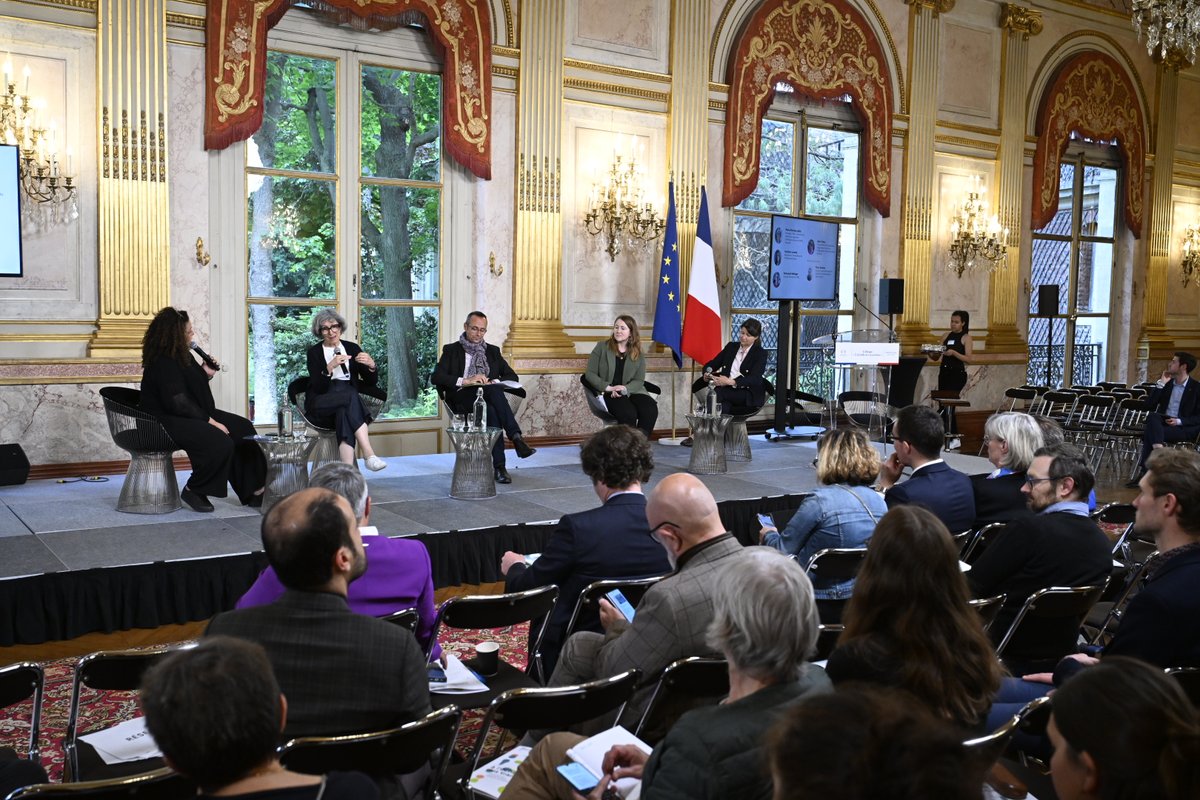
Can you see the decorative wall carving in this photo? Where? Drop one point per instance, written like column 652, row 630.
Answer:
column 824, row 49
column 1093, row 96
column 236, row 65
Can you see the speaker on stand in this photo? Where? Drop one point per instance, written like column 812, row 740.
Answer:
column 891, row 299
column 1047, row 306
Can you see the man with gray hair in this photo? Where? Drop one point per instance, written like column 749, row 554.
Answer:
column 1059, row 546
column 399, row 574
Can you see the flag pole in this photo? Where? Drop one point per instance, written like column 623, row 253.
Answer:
column 668, row 319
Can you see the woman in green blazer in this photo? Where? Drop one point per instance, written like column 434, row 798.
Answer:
column 616, row 371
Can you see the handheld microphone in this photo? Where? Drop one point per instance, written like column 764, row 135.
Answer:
column 873, row 314
column 205, row 357
column 707, row 373
column 337, row 351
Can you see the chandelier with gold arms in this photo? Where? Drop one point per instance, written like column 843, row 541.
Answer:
column 1171, row 28
column 44, row 178
column 618, row 209
column 978, row 243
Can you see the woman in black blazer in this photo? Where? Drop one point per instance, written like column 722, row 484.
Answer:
column 742, row 389
column 175, row 390
column 337, row 372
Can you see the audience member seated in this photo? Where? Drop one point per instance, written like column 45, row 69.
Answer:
column 616, row 371
column 400, row 576
column 764, row 621
column 16, row 772
column 1174, row 409
column 1012, row 437
column 674, row 614
column 842, row 512
column 918, row 435
column 1124, row 730
column 1059, row 546
column 866, row 743
column 612, row 541
column 342, row 672
column 216, row 712
column 909, row 624
column 471, row 364
column 1161, row 624
column 1052, row 434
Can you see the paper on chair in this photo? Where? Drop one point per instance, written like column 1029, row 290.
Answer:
column 459, row 679
column 129, row 741
column 492, row 777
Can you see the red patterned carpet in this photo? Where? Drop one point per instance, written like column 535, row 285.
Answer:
column 100, row 710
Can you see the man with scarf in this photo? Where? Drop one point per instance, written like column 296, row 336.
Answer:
column 471, row 363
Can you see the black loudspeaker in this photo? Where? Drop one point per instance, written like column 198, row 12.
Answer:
column 891, row 295
column 1047, row 299
column 14, row 466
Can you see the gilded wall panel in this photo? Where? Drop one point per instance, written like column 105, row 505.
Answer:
column 1182, row 302
column 635, row 34
column 1187, row 110
column 969, row 66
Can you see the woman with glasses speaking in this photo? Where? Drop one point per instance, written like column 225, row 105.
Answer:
column 337, row 372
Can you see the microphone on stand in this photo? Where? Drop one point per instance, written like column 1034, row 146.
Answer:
column 337, row 351
column 206, row 358
column 873, row 314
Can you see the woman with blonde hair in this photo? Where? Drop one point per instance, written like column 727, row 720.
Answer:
column 842, row 512
column 910, row 625
column 617, row 370
column 1011, row 438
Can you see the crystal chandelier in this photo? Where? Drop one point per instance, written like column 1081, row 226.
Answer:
column 44, row 179
column 1191, row 253
column 1171, row 28
column 978, row 243
column 619, row 211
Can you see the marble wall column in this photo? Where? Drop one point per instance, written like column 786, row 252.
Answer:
column 689, row 125
column 1157, row 341
column 924, row 36
column 537, row 282
column 134, row 230
column 1018, row 23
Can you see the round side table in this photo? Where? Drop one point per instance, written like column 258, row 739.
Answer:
column 708, row 444
column 474, row 477
column 287, row 465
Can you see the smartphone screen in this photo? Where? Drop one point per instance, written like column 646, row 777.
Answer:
column 578, row 776
column 624, row 606
column 436, row 674
column 766, row 521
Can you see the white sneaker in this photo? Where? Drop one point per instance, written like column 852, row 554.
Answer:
column 374, row 463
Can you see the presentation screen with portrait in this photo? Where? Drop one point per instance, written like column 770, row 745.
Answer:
column 10, row 213
column 804, row 259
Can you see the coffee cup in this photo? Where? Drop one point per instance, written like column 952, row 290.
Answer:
column 487, row 658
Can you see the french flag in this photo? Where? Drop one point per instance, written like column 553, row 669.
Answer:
column 702, row 323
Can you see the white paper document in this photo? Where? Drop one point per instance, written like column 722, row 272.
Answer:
column 129, row 741
column 492, row 777
column 590, row 754
column 459, row 679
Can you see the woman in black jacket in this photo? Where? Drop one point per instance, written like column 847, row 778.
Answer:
column 338, row 371
column 175, row 390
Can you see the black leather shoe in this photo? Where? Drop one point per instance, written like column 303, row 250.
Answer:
column 255, row 501
column 686, row 442
column 523, row 450
column 197, row 502
column 502, row 475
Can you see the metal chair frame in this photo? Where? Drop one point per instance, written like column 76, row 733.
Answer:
column 633, row 589
column 596, row 405
column 981, row 537
column 1064, row 601
column 159, row 784
column 988, row 609
column 694, row 678
column 150, row 486
column 406, row 618
column 478, row 612
column 20, row 682
column 1189, row 680
column 992, row 746
column 326, row 448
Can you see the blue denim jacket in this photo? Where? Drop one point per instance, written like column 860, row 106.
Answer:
column 831, row 516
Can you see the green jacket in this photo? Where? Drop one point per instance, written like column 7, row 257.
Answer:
column 602, row 364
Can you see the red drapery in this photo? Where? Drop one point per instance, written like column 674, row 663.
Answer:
column 1091, row 95
column 236, row 65
column 823, row 49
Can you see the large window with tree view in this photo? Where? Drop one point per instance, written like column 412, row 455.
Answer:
column 807, row 169
column 344, row 210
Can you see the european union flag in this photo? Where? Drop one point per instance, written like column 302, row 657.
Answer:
column 668, row 319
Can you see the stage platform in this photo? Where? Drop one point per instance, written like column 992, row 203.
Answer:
column 70, row 563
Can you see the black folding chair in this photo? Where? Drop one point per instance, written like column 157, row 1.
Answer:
column 19, row 682
column 988, row 609
column 426, row 742
column 405, row 618
column 1055, row 602
column 161, row 784
column 827, row 637
column 685, row 684
column 1189, row 680
column 589, row 599
column 988, row 749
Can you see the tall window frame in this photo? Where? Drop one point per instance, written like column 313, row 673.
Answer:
column 1077, row 250
column 790, row 187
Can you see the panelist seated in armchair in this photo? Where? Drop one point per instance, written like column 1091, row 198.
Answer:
column 616, row 371
column 736, row 374
column 470, row 364
column 338, row 372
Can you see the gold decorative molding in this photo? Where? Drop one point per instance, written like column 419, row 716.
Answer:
column 723, row 88
column 976, row 144
column 621, row 72
column 719, row 105
column 509, row 24
column 1020, row 19
column 539, row 189
column 936, row 6
column 84, row 5
column 133, row 154
column 961, row 126
column 1098, row 9
column 507, row 52
column 616, row 89
column 185, row 20
column 508, row 72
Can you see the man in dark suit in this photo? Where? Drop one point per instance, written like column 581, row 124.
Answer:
column 918, row 435
column 1059, row 546
column 470, row 364
column 341, row 672
column 1175, row 409
column 612, row 541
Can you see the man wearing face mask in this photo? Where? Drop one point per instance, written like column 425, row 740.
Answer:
column 674, row 614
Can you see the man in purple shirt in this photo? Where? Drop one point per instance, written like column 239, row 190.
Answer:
column 398, row 573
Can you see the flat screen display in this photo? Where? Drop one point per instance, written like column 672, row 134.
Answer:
column 10, row 213
column 804, row 259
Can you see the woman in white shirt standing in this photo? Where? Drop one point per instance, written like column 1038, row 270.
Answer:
column 337, row 372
